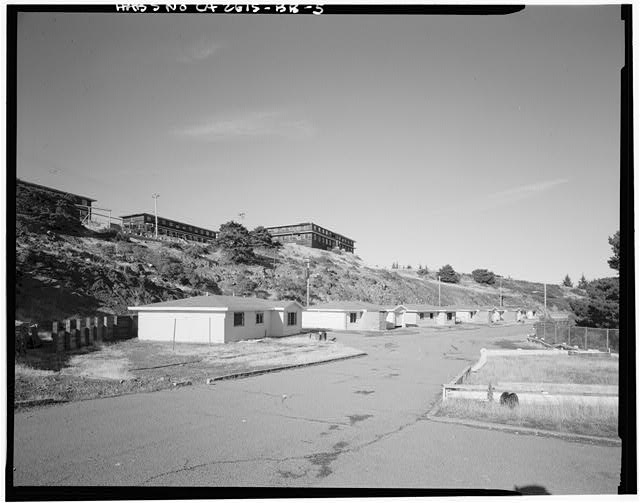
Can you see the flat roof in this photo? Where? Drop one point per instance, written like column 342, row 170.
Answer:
column 165, row 218
column 217, row 303
column 51, row 189
column 426, row 307
column 348, row 305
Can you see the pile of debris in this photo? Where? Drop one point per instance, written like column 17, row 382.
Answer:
column 561, row 345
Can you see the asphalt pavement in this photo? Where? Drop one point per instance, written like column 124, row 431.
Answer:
column 353, row 423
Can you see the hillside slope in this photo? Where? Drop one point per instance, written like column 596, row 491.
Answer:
column 64, row 269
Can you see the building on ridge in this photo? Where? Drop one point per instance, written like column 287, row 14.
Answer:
column 311, row 235
column 144, row 224
column 82, row 202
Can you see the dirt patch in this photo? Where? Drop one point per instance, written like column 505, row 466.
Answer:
column 134, row 366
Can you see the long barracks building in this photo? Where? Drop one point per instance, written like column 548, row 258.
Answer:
column 311, row 235
column 144, row 223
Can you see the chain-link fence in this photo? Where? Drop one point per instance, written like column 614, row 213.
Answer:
column 603, row 339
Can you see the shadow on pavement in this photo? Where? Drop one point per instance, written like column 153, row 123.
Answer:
column 531, row 490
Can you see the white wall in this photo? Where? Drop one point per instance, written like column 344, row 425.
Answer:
column 410, row 318
column 189, row 327
column 250, row 330
column 370, row 320
column 325, row 319
column 279, row 319
column 441, row 319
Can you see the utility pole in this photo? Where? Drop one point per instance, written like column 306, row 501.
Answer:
column 439, row 304
column 308, row 281
column 500, row 291
column 545, row 300
column 155, row 210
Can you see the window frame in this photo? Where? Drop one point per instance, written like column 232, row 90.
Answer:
column 240, row 319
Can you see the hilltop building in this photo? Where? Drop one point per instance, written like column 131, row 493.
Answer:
column 144, row 223
column 212, row 319
column 83, row 202
column 311, row 235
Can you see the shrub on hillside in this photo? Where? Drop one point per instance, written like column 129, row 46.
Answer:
column 235, row 241
column 423, row 271
column 448, row 274
column 261, row 238
column 483, row 276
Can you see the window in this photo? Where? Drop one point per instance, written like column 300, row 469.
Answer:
column 238, row 319
column 449, row 316
column 422, row 316
column 430, row 316
column 353, row 317
column 259, row 318
column 292, row 319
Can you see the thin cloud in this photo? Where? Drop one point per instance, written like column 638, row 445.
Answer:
column 254, row 124
column 505, row 197
column 198, row 51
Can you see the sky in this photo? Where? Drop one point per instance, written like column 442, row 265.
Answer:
column 478, row 141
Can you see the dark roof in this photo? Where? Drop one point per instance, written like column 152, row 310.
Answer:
column 219, row 302
column 51, row 189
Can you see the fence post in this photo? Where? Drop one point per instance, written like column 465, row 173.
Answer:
column 569, row 337
column 608, row 340
column 555, row 333
column 544, row 329
column 585, row 338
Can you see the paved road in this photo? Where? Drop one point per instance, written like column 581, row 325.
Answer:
column 355, row 423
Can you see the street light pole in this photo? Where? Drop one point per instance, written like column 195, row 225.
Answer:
column 155, row 210
column 308, row 282
column 439, row 304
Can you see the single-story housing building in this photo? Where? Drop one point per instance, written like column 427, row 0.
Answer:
column 425, row 315
column 217, row 319
column 465, row 314
column 348, row 315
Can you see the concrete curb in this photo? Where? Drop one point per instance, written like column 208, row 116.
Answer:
column 38, row 402
column 252, row 373
column 575, row 437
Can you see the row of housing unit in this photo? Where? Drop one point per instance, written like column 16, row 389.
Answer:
column 74, row 333
column 306, row 234
column 220, row 318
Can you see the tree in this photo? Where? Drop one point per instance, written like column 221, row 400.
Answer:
column 261, row 238
column 614, row 260
column 483, row 276
column 423, row 271
column 448, row 274
column 601, row 308
column 567, row 281
column 583, row 282
column 235, row 241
